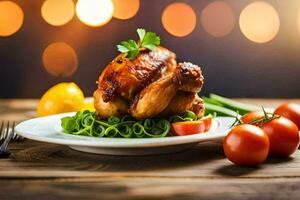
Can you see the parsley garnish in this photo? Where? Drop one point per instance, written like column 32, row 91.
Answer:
column 147, row 40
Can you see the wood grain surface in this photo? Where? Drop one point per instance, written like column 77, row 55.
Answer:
column 38, row 170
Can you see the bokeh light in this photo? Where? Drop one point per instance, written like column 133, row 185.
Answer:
column 125, row 9
column 94, row 12
column 179, row 19
column 298, row 21
column 60, row 59
column 58, row 12
column 259, row 22
column 11, row 18
column 218, row 19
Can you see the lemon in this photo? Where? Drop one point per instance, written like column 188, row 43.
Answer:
column 63, row 97
column 89, row 104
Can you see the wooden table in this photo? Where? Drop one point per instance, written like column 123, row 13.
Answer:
column 47, row 171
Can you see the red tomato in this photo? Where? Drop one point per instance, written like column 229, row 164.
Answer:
column 192, row 127
column 246, row 145
column 290, row 111
column 283, row 135
column 207, row 121
column 249, row 117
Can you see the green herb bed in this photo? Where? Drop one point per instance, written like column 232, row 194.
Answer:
column 87, row 123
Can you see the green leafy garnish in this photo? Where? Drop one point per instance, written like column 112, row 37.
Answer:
column 187, row 116
column 87, row 123
column 147, row 40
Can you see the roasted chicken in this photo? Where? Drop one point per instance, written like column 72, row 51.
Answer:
column 152, row 84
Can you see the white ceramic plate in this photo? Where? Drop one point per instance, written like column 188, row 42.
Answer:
column 48, row 129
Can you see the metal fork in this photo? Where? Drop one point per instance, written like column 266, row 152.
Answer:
column 4, row 134
column 9, row 133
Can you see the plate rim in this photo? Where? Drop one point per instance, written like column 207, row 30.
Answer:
column 115, row 142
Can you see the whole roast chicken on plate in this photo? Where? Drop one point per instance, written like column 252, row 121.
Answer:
column 146, row 81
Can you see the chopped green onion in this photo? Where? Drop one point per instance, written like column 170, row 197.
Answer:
column 87, row 123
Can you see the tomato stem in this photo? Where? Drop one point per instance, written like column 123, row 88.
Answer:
column 259, row 121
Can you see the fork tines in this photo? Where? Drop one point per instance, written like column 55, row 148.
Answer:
column 6, row 128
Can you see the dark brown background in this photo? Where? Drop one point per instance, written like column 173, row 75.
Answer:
column 233, row 66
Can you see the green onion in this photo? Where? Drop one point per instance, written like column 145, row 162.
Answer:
column 87, row 123
column 219, row 111
column 239, row 107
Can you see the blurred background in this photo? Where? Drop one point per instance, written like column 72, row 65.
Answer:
column 245, row 48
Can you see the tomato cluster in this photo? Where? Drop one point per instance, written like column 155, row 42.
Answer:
column 260, row 135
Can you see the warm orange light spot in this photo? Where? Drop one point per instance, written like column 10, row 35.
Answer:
column 259, row 22
column 58, row 12
column 11, row 18
column 179, row 19
column 60, row 59
column 94, row 12
column 218, row 19
column 125, row 9
column 298, row 21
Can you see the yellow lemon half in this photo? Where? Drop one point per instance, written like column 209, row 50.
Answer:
column 63, row 97
column 89, row 104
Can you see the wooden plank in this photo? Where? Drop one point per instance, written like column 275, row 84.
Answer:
column 152, row 188
column 17, row 109
column 41, row 160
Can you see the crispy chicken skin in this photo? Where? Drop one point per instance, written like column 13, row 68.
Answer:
column 181, row 102
column 198, row 106
column 184, row 101
column 155, row 98
column 150, row 85
column 188, row 77
column 118, row 107
column 124, row 77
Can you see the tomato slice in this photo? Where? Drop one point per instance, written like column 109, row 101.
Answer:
column 207, row 121
column 192, row 127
